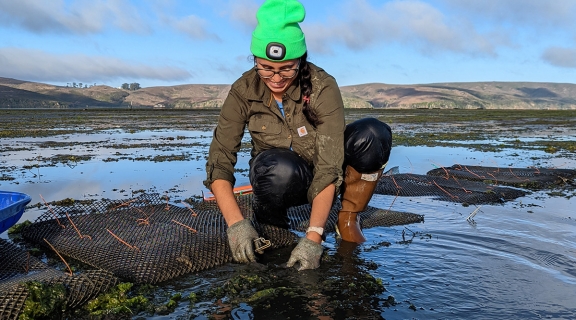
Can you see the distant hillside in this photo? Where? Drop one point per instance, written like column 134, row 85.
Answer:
column 485, row 95
column 181, row 96
column 22, row 94
column 473, row 95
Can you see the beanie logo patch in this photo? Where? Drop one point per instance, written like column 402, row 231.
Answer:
column 275, row 51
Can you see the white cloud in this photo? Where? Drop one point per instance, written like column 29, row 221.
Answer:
column 560, row 57
column 35, row 65
column 410, row 22
column 78, row 17
column 190, row 25
column 535, row 13
column 243, row 11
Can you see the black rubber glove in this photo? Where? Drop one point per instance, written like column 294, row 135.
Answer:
column 241, row 237
column 307, row 253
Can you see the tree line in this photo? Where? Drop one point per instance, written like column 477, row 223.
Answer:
column 132, row 86
column 79, row 85
column 126, row 86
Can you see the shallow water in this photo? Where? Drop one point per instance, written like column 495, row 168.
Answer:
column 515, row 261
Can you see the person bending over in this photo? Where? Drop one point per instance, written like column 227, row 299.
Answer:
column 301, row 146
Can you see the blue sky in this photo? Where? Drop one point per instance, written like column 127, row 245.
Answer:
column 172, row 42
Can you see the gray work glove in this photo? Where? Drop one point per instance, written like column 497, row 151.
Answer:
column 307, row 253
column 241, row 237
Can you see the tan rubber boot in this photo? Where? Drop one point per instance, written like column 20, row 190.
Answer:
column 358, row 190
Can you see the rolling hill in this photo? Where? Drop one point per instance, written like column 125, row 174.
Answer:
column 470, row 95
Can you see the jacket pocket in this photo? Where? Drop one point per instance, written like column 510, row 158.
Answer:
column 265, row 131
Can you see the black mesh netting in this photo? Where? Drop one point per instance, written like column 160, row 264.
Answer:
column 19, row 267
column 473, row 184
column 440, row 188
column 148, row 240
column 532, row 178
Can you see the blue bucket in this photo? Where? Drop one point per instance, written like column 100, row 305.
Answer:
column 12, row 205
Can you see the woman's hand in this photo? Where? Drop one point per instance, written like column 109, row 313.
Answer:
column 241, row 237
column 309, row 249
column 307, row 253
column 241, row 233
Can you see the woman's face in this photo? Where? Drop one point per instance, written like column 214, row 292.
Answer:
column 280, row 72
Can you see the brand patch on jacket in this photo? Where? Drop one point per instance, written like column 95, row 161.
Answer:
column 302, row 131
column 369, row 176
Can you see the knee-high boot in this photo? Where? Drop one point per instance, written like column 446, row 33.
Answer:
column 358, row 190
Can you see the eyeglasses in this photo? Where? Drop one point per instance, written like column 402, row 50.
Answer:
column 284, row 74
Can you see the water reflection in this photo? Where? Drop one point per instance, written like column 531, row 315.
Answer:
column 119, row 164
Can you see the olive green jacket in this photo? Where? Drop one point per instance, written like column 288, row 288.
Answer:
column 250, row 103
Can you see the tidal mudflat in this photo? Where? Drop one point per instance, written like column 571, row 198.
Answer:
column 513, row 260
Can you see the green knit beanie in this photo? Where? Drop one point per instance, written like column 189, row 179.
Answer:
column 278, row 36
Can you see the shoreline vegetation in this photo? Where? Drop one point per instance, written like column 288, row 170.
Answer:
column 16, row 94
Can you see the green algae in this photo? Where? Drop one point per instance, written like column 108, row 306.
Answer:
column 44, row 301
column 117, row 302
column 18, row 227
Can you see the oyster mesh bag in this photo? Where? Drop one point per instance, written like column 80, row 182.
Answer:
column 18, row 267
column 474, row 184
column 149, row 240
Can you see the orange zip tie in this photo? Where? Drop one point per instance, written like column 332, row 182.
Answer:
column 391, row 204
column 194, row 214
column 443, row 168
column 411, row 166
column 75, row 228
column 447, row 174
column 167, row 205
column 53, row 213
column 481, row 177
column 448, row 193
column 493, row 176
column 143, row 221
column 458, row 182
column 560, row 166
column 124, row 242
column 498, row 171
column 27, row 262
column 396, row 184
column 51, row 246
column 537, row 170
column 189, row 228
column 123, row 204
column 517, row 177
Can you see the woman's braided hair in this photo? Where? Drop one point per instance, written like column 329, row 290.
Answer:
column 306, row 86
